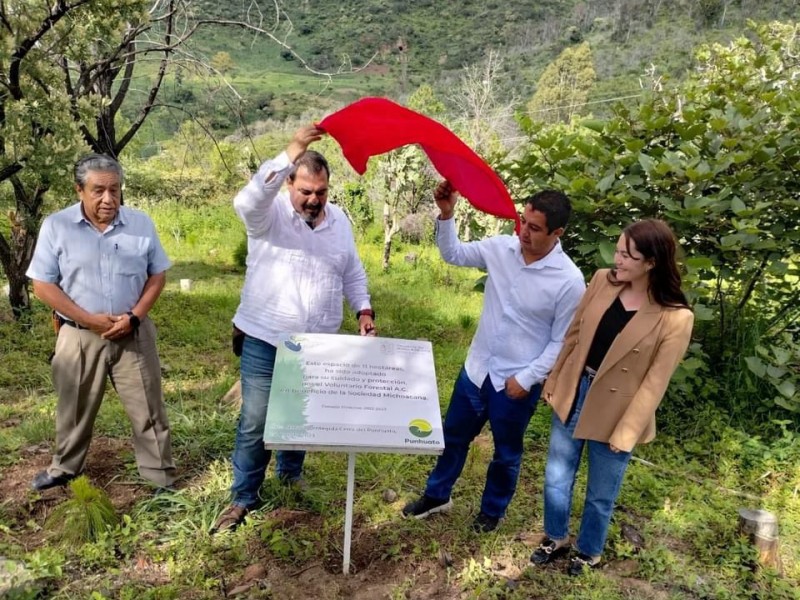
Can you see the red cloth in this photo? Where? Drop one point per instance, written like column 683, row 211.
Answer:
column 373, row 126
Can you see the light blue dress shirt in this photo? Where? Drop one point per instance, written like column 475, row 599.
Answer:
column 526, row 308
column 101, row 271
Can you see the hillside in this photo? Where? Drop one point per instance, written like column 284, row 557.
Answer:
column 412, row 42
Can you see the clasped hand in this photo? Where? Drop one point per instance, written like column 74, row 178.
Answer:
column 113, row 327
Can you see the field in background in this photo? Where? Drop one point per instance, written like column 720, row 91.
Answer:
column 683, row 504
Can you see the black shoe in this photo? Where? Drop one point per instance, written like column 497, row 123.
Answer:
column 44, row 481
column 483, row 523
column 425, row 506
column 579, row 563
column 548, row 551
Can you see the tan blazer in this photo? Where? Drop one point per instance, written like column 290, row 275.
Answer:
column 621, row 403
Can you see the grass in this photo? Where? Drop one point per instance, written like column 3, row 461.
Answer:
column 683, row 506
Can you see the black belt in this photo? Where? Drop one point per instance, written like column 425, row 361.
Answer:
column 64, row 321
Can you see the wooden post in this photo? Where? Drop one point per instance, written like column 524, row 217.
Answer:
column 761, row 527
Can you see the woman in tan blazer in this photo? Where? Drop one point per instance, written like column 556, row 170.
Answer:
column 628, row 335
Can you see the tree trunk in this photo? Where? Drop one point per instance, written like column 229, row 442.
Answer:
column 387, row 250
column 18, row 294
column 16, row 252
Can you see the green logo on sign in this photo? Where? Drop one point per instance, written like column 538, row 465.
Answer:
column 420, row 428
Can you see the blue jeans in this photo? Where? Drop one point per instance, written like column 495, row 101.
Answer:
column 606, row 470
column 250, row 458
column 470, row 408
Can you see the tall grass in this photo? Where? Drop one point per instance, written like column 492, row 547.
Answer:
column 84, row 517
column 681, row 505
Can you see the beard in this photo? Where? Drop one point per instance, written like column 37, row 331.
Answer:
column 311, row 211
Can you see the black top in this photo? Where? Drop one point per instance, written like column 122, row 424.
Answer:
column 613, row 321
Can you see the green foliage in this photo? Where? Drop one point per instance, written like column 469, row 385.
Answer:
column 680, row 505
column 717, row 158
column 403, row 179
column 84, row 517
column 289, row 546
column 564, row 86
column 240, row 254
column 353, row 200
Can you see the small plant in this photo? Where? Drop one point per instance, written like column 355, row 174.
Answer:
column 85, row 516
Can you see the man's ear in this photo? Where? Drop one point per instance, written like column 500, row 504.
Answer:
column 558, row 232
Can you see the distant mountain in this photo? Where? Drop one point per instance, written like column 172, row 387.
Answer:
column 412, row 42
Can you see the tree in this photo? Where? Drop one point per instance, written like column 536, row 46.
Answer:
column 484, row 117
column 38, row 138
column 716, row 156
column 405, row 179
column 66, row 71
column 223, row 62
column 564, row 86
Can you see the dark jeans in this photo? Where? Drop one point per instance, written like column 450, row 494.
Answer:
column 470, row 408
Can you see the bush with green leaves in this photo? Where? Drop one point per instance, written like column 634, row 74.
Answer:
column 717, row 157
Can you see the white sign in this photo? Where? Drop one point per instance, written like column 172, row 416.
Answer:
column 354, row 393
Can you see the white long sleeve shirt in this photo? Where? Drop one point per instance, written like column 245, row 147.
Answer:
column 526, row 308
column 297, row 277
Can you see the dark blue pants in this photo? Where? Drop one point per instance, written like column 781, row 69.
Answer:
column 470, row 408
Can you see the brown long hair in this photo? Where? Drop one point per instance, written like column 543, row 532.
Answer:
column 655, row 242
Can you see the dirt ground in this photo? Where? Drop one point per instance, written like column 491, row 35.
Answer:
column 372, row 577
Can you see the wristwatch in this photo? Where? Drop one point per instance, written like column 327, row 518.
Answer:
column 135, row 322
column 368, row 312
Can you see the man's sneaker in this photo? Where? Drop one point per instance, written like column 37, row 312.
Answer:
column 549, row 550
column 425, row 506
column 483, row 523
column 230, row 519
column 579, row 563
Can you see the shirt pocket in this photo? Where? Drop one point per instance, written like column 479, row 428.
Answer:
column 130, row 256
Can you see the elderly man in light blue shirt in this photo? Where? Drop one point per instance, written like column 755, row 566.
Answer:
column 531, row 294
column 100, row 267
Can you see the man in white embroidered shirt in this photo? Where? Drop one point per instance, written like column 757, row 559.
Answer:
column 301, row 264
column 531, row 293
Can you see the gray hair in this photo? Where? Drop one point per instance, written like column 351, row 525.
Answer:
column 96, row 162
column 314, row 163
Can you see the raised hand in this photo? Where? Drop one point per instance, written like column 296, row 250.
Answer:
column 302, row 138
column 445, row 197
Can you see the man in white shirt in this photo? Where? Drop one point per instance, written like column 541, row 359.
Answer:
column 301, row 264
column 530, row 297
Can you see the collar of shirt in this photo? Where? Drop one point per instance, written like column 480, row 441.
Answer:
column 77, row 215
column 553, row 259
column 285, row 203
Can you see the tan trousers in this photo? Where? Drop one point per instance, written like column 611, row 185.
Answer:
column 81, row 364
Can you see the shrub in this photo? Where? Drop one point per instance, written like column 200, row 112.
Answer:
column 85, row 516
